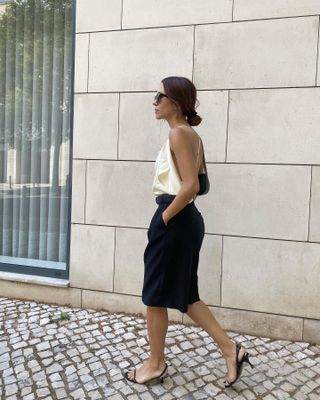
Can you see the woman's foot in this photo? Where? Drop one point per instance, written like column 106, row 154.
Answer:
column 231, row 355
column 147, row 372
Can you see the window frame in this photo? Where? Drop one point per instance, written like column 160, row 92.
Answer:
column 46, row 271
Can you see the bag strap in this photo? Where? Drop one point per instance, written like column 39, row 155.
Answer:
column 198, row 149
column 200, row 143
column 204, row 162
column 203, row 156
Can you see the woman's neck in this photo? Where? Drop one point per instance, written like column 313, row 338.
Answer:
column 174, row 121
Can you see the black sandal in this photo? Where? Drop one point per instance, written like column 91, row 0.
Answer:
column 156, row 378
column 239, row 365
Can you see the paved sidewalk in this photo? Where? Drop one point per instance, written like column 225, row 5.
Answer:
column 57, row 352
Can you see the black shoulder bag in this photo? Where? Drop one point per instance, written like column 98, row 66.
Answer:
column 203, row 178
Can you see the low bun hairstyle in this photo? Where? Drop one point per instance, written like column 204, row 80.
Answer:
column 183, row 92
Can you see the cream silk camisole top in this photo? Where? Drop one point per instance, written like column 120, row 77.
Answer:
column 167, row 179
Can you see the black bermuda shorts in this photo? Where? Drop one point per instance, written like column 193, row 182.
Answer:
column 171, row 257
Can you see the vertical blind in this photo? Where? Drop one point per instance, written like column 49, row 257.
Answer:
column 35, row 97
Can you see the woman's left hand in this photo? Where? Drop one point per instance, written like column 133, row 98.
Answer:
column 164, row 218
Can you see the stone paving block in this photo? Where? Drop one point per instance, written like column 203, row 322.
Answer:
column 282, row 369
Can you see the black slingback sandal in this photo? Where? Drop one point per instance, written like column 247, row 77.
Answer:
column 239, row 365
column 159, row 378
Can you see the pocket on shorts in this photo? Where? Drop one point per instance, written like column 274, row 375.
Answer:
column 162, row 221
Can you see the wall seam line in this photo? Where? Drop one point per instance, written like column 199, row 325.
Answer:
column 207, row 233
column 88, row 63
column 317, row 54
column 114, row 257
column 85, row 192
column 193, row 52
column 221, row 270
column 121, row 19
column 253, row 163
column 144, row 28
column 310, row 201
column 224, row 89
column 227, row 128
column 211, row 305
column 118, row 125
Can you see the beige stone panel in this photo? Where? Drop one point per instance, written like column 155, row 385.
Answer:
column 138, row 59
column 129, row 263
column 311, row 329
column 41, row 293
column 96, row 126
column 257, row 200
column 115, row 302
column 78, row 190
column 119, row 193
column 258, row 324
column 148, row 13
column 141, row 136
column 213, row 109
column 274, row 126
column 275, row 276
column 91, row 257
column 280, row 52
column 315, row 205
column 98, row 15
column 209, row 271
column 81, row 62
column 248, row 9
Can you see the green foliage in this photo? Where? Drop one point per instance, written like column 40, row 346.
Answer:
column 64, row 316
column 35, row 39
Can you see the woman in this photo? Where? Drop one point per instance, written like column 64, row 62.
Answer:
column 175, row 236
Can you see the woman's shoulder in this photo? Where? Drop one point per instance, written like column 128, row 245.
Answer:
column 189, row 134
column 182, row 132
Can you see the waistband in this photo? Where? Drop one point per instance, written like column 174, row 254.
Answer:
column 165, row 198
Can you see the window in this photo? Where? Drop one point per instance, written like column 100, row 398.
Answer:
column 36, row 79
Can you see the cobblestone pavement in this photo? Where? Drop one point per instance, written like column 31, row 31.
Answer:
column 56, row 352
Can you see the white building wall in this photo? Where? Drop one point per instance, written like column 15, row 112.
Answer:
column 256, row 67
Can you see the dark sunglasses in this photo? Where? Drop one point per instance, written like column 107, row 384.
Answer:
column 159, row 96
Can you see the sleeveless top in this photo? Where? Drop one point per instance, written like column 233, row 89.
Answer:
column 166, row 179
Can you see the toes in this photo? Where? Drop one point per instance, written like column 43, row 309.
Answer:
column 129, row 375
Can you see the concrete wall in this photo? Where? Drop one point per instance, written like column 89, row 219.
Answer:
column 256, row 66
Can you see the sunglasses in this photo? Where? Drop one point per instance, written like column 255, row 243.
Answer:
column 159, row 96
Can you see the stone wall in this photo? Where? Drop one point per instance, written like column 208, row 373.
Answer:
column 256, row 67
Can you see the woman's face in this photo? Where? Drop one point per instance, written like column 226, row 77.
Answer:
column 165, row 107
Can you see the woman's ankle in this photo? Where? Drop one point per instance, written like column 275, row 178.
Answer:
column 228, row 349
column 156, row 362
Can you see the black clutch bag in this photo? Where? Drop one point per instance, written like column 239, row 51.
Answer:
column 203, row 179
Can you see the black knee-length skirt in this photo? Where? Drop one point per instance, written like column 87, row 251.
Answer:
column 171, row 257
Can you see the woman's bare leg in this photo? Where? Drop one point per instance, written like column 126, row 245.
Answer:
column 157, row 324
column 201, row 315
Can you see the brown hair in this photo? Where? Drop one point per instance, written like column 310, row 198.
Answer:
column 183, row 92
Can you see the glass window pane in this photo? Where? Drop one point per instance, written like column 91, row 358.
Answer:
column 36, row 55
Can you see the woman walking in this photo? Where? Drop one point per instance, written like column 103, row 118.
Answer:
column 175, row 236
